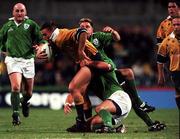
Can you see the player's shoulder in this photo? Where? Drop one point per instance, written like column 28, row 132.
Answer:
column 99, row 34
column 102, row 35
column 6, row 26
column 66, row 31
column 30, row 21
column 9, row 22
column 172, row 40
column 166, row 21
column 171, row 37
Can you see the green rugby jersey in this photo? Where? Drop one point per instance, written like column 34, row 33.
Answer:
column 17, row 40
column 101, row 40
column 108, row 82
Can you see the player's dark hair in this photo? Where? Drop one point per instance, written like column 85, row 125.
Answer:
column 86, row 20
column 174, row 1
column 49, row 25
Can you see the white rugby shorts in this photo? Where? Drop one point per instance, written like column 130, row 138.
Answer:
column 123, row 100
column 20, row 65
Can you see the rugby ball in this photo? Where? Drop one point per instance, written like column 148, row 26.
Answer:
column 47, row 49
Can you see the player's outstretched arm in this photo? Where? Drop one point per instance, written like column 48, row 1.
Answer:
column 96, row 64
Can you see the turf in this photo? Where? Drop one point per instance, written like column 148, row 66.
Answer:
column 49, row 124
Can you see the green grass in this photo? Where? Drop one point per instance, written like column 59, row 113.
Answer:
column 49, row 124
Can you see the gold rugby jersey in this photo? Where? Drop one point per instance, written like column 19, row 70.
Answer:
column 170, row 47
column 164, row 29
column 67, row 41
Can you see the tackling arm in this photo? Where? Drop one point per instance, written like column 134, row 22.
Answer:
column 97, row 64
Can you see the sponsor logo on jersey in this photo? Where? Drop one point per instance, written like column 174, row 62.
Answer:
column 96, row 41
column 11, row 29
column 26, row 26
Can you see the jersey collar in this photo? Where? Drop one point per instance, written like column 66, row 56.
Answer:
column 169, row 17
column 54, row 35
column 172, row 35
column 17, row 24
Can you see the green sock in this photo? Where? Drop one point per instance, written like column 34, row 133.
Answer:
column 25, row 98
column 132, row 91
column 15, row 100
column 106, row 117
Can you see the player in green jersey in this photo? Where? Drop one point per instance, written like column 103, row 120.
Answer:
column 116, row 103
column 17, row 38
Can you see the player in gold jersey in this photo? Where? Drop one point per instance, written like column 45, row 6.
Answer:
column 74, row 43
column 170, row 47
column 166, row 27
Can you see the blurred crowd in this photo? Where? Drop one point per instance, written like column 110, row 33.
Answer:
column 137, row 50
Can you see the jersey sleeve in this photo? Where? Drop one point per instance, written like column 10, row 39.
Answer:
column 3, row 38
column 162, row 55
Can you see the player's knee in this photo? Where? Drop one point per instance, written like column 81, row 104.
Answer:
column 16, row 88
column 78, row 99
column 129, row 73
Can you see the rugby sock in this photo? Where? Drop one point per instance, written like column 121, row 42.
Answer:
column 88, row 113
column 106, row 117
column 178, row 102
column 132, row 91
column 15, row 100
column 143, row 115
column 80, row 112
column 25, row 98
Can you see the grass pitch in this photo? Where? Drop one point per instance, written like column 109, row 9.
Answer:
column 49, row 124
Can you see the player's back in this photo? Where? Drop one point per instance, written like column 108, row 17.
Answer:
column 67, row 40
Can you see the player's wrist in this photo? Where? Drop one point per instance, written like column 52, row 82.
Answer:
column 112, row 31
column 67, row 104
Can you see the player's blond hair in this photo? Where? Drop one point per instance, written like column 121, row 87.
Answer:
column 86, row 20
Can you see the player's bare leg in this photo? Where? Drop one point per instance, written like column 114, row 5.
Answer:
column 79, row 83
